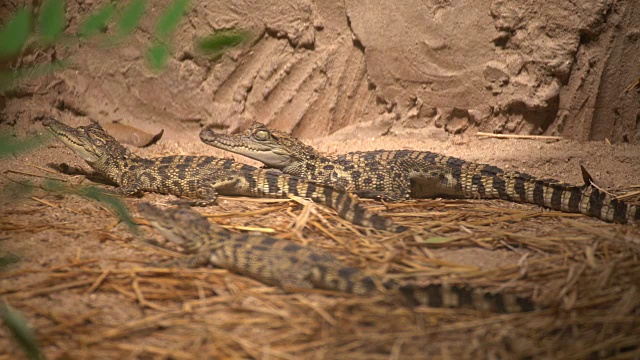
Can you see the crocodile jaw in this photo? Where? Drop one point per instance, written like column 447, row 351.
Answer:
column 270, row 156
column 73, row 138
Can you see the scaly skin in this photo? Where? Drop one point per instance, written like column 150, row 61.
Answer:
column 401, row 174
column 202, row 178
column 291, row 266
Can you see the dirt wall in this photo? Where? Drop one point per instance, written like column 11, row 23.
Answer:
column 556, row 67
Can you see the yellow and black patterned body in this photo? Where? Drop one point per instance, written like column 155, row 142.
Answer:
column 291, row 266
column 202, row 178
column 402, row 174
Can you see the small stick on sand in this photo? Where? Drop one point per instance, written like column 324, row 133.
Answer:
column 511, row 136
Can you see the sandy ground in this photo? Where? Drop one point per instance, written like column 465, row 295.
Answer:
column 59, row 238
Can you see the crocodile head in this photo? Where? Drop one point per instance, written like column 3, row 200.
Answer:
column 90, row 142
column 274, row 148
column 181, row 226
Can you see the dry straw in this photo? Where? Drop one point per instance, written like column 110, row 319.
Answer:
column 586, row 270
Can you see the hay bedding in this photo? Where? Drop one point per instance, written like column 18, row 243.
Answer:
column 105, row 302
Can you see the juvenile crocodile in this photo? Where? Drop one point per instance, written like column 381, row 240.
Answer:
column 290, row 266
column 202, row 178
column 402, row 174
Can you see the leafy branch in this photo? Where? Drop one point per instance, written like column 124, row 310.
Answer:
column 19, row 34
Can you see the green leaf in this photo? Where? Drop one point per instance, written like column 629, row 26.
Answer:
column 217, row 42
column 97, row 22
column 14, row 191
column 116, row 204
column 11, row 146
column 9, row 79
column 157, row 56
column 15, row 33
column 131, row 16
column 51, row 20
column 21, row 331
column 170, row 17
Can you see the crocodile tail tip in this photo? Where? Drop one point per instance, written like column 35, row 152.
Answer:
column 586, row 177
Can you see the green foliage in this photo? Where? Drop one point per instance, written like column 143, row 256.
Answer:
column 157, row 55
column 51, row 20
column 216, row 43
column 8, row 79
column 15, row 33
column 97, row 21
column 9, row 145
column 165, row 26
column 17, row 190
column 131, row 16
column 94, row 193
column 113, row 202
column 169, row 19
column 21, row 331
column 51, row 24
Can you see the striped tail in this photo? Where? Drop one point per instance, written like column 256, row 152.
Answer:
column 435, row 295
column 452, row 296
column 473, row 180
column 347, row 205
column 586, row 199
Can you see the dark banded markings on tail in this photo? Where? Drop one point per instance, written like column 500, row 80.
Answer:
column 358, row 217
column 292, row 183
column 435, row 295
column 500, row 185
column 519, row 189
column 637, row 210
column 346, row 274
column 312, row 188
column 465, row 298
column 455, row 166
column 619, row 211
column 497, row 302
column 367, row 284
column 525, row 304
column 574, row 199
column 343, row 204
column 491, row 170
column 595, row 202
column 320, row 272
column 478, row 184
column 253, row 183
column 272, row 183
column 556, row 198
column 327, row 191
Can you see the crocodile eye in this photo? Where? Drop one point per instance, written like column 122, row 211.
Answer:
column 97, row 140
column 262, row 135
